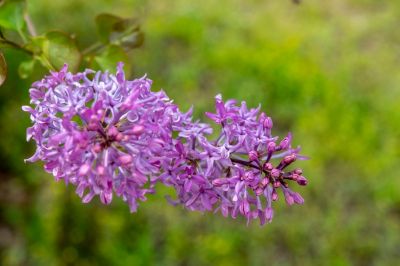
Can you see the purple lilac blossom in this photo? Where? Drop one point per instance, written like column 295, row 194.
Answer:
column 241, row 171
column 102, row 133
column 110, row 136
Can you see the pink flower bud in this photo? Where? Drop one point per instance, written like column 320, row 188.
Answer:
column 112, row 131
column 294, row 177
column 268, row 166
column 84, row 169
column 268, row 123
column 269, row 213
column 92, row 126
column 97, row 148
column 274, row 195
column 244, row 207
column 275, row 172
column 297, row 198
column 298, row 171
column 265, row 182
column 94, row 118
column 125, row 159
column 289, row 199
column 258, row 191
column 271, row 147
column 289, row 159
column 100, row 170
column 137, row 129
column 285, row 143
column 100, row 112
column 253, row 155
column 302, row 181
column 106, row 197
column 249, row 176
column 119, row 137
column 220, row 181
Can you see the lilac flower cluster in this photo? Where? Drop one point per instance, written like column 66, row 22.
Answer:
column 110, row 136
column 105, row 135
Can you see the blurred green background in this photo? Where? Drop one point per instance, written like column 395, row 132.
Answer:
column 328, row 71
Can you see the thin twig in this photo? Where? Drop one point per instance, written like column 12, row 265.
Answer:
column 242, row 162
column 92, row 48
column 31, row 26
column 16, row 46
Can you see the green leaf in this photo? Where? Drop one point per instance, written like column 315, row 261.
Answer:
column 133, row 40
column 105, row 26
column 36, row 44
column 116, row 30
column 3, row 69
column 109, row 58
column 59, row 48
column 25, row 69
column 124, row 27
column 12, row 14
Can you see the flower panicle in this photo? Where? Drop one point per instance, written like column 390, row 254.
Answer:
column 109, row 136
column 241, row 172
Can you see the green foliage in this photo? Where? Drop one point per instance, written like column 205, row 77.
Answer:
column 12, row 14
column 59, row 49
column 106, row 26
column 116, row 31
column 25, row 69
column 118, row 36
column 109, row 58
